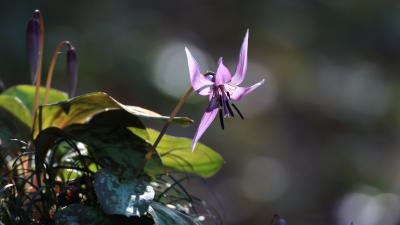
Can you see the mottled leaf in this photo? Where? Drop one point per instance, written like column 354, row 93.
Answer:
column 115, row 148
column 176, row 153
column 122, row 197
column 109, row 141
column 80, row 109
column 120, row 119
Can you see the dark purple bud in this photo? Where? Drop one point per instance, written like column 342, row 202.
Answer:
column 277, row 220
column 281, row 221
column 2, row 87
column 33, row 43
column 72, row 70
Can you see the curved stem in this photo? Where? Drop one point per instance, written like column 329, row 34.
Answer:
column 152, row 149
column 50, row 72
column 173, row 114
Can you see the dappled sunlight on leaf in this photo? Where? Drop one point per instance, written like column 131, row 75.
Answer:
column 26, row 94
column 176, row 153
column 82, row 108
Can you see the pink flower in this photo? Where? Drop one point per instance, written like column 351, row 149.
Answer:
column 221, row 87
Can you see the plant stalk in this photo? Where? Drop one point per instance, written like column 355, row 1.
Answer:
column 152, row 149
column 50, row 72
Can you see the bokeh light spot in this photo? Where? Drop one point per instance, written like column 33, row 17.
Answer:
column 171, row 75
column 264, row 179
column 369, row 209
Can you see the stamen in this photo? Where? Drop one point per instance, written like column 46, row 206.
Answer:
column 237, row 110
column 221, row 118
column 226, row 107
column 220, row 101
column 229, row 95
column 229, row 108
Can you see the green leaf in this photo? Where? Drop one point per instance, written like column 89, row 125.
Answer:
column 26, row 94
column 176, row 153
column 120, row 119
column 70, row 174
column 114, row 145
column 110, row 142
column 82, row 108
column 46, row 140
column 115, row 148
column 162, row 215
column 15, row 120
column 15, row 106
column 66, row 153
column 128, row 197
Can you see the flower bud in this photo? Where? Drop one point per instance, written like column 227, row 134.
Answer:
column 2, row 86
column 72, row 70
column 33, row 42
column 277, row 220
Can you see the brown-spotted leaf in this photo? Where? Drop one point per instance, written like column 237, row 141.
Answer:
column 81, row 109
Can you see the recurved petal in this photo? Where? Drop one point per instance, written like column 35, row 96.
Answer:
column 222, row 76
column 205, row 90
column 208, row 116
column 236, row 93
column 241, row 67
column 199, row 82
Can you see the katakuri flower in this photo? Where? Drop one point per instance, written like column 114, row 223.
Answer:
column 221, row 87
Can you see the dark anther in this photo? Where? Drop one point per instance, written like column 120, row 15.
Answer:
column 229, row 95
column 220, row 101
column 221, row 118
column 237, row 110
column 229, row 108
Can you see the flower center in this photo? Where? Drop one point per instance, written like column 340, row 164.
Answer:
column 224, row 99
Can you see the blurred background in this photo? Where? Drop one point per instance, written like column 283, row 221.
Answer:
column 320, row 142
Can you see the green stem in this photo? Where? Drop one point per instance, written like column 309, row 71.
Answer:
column 173, row 114
column 152, row 149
